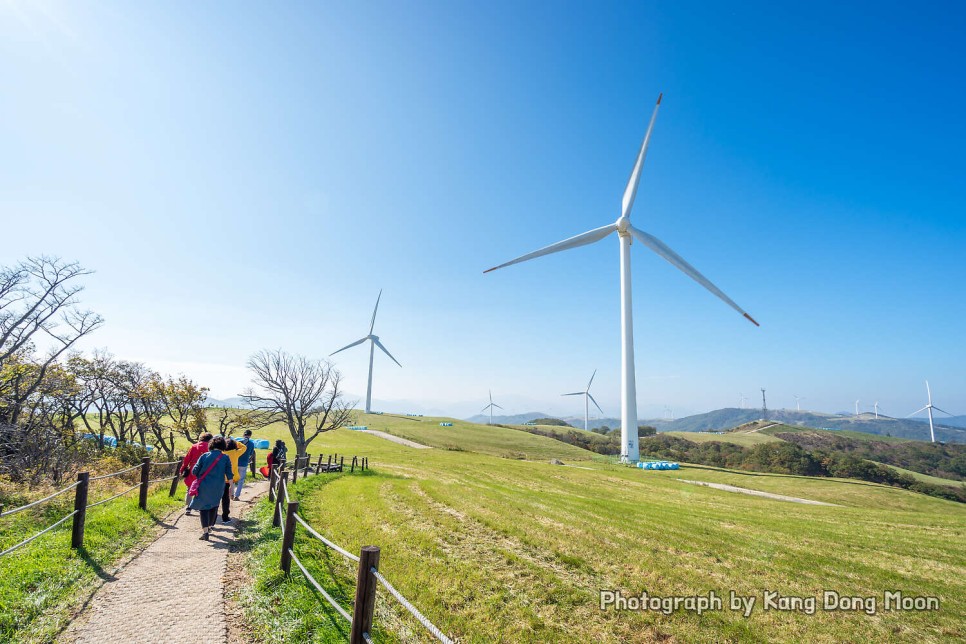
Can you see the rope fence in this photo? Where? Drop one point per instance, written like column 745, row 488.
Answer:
column 81, row 489
column 319, row 588
column 107, row 476
column 428, row 625
column 111, row 498
column 368, row 573
column 44, row 531
column 39, row 501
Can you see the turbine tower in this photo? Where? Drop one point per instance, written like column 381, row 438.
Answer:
column 764, row 407
column 373, row 343
column 928, row 408
column 876, row 407
column 625, row 232
column 798, row 403
column 856, row 408
column 493, row 404
column 741, row 400
column 587, row 400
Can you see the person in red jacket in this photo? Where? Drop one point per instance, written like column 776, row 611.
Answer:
column 194, row 453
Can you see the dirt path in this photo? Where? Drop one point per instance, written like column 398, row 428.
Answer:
column 171, row 592
column 767, row 495
column 395, row 439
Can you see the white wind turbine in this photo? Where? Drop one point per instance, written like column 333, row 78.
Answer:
column 625, row 231
column 876, row 408
column 856, row 408
column 587, row 400
column 373, row 343
column 490, row 407
column 798, row 403
column 741, row 400
column 928, row 408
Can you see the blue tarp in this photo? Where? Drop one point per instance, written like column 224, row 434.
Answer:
column 358, row 427
column 658, row 465
column 446, row 424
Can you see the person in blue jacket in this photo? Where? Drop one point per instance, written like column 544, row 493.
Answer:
column 211, row 484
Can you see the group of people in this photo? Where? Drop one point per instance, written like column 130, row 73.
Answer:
column 220, row 467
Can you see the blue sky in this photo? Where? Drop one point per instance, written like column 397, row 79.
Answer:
column 247, row 175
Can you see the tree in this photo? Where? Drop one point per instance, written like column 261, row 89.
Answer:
column 38, row 301
column 304, row 394
column 646, row 430
column 231, row 420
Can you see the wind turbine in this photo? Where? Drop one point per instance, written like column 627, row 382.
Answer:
column 493, row 404
column 929, row 408
column 856, row 408
column 587, row 400
column 798, row 403
column 741, row 400
column 625, row 232
column 373, row 343
column 876, row 408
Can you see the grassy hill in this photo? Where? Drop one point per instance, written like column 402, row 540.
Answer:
column 500, row 549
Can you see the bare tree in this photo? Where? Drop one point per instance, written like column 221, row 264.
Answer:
column 38, row 302
column 231, row 420
column 304, row 394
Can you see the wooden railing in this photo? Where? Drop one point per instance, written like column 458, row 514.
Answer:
column 368, row 576
column 81, row 489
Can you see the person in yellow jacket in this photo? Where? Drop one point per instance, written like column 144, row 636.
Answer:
column 234, row 452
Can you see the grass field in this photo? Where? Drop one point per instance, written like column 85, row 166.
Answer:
column 494, row 548
column 43, row 581
column 745, row 439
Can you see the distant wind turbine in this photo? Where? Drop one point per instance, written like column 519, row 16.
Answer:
column 876, row 407
column 798, row 403
column 856, row 408
column 625, row 232
column 373, row 343
column 587, row 400
column 490, row 407
column 928, row 408
column 741, row 401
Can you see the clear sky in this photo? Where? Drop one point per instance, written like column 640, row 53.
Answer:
column 249, row 175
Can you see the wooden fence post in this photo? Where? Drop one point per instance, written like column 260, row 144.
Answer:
column 365, row 463
column 318, row 466
column 328, row 465
column 145, row 476
column 288, row 537
column 80, row 507
column 279, row 497
column 365, row 594
column 175, row 480
column 295, row 472
column 353, row 464
column 341, row 463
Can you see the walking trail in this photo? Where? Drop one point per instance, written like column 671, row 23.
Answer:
column 767, row 495
column 172, row 592
column 395, row 439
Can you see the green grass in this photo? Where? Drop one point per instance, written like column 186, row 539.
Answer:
column 842, row 433
column 744, row 439
column 43, row 581
column 498, row 549
column 926, row 478
column 464, row 436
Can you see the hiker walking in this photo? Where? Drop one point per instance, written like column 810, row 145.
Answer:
column 233, row 451
column 244, row 461
column 194, row 453
column 211, row 471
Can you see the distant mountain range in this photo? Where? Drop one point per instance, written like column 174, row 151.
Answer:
column 727, row 418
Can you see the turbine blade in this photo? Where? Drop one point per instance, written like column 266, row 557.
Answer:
column 918, row 410
column 497, row 406
column 595, row 403
column 372, row 324
column 676, row 260
column 591, row 379
column 484, row 409
column 942, row 410
column 630, row 192
column 928, row 393
column 384, row 350
column 579, row 393
column 350, row 345
column 582, row 239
